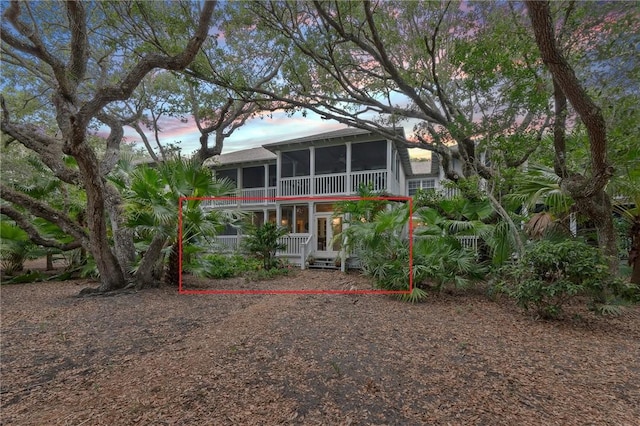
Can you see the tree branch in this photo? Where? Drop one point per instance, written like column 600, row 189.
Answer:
column 35, row 237
column 40, row 209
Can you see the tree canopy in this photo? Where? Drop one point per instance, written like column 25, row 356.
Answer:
column 487, row 87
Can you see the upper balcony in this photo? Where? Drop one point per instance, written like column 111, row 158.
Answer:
column 316, row 167
column 337, row 184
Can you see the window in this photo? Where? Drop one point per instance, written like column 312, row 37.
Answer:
column 253, row 177
column 271, row 216
column 295, row 218
column 257, row 218
column 286, row 218
column 369, row 156
column 324, row 208
column 424, row 184
column 295, row 163
column 229, row 230
column 272, row 175
column 331, row 159
column 231, row 174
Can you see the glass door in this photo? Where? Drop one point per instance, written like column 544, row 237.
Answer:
column 326, row 228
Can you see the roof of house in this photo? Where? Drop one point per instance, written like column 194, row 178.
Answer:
column 258, row 154
column 334, row 134
column 422, row 167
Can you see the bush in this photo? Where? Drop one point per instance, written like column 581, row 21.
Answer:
column 551, row 273
column 220, row 266
column 262, row 242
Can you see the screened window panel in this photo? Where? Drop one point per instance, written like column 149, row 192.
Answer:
column 295, row 163
column 369, row 156
column 331, row 159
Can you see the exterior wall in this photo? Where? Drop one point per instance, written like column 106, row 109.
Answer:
column 360, row 166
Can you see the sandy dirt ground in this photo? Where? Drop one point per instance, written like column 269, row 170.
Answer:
column 156, row 357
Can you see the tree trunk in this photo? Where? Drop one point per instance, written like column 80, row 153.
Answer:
column 111, row 276
column 634, row 251
column 49, row 261
column 146, row 275
column 172, row 272
column 588, row 192
column 123, row 244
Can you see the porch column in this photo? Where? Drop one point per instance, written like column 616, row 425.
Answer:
column 278, row 215
column 266, row 183
column 278, row 172
column 312, row 169
column 348, row 189
column 387, row 185
column 239, row 185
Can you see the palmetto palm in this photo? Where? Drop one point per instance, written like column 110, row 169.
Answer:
column 624, row 190
column 459, row 219
column 152, row 196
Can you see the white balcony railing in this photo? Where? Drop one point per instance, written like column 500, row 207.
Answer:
column 297, row 246
column 228, row 242
column 243, row 197
column 295, row 186
column 252, row 196
column 377, row 179
column 335, row 184
column 294, row 244
column 331, row 184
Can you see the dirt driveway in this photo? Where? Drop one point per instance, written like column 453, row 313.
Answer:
column 156, row 357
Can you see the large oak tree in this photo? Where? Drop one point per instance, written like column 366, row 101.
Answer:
column 76, row 60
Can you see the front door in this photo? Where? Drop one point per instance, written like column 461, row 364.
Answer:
column 327, row 227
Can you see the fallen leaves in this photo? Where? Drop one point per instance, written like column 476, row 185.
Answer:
column 155, row 357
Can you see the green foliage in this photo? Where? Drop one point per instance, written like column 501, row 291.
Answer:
column 152, row 195
column 461, row 219
column 281, row 268
column 382, row 246
column 15, row 248
column 364, row 209
column 263, row 242
column 443, row 262
column 551, row 273
column 220, row 266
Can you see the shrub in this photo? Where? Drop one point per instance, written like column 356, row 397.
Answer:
column 220, row 266
column 551, row 273
column 262, row 242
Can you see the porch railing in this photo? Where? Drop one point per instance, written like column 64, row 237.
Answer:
column 228, row 243
column 331, row 184
column 296, row 186
column 305, row 251
column 243, row 197
column 335, row 183
column 294, row 244
column 297, row 246
column 378, row 179
column 469, row 242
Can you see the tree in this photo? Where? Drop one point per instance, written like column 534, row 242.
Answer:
column 588, row 190
column 83, row 68
column 376, row 65
column 151, row 195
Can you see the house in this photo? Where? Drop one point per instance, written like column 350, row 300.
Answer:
column 293, row 183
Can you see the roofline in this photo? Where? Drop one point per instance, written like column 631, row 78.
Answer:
column 326, row 137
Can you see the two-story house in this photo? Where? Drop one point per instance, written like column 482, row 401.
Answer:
column 295, row 183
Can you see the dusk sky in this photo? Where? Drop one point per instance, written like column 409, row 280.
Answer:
column 255, row 132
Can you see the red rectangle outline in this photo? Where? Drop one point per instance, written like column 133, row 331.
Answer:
column 181, row 290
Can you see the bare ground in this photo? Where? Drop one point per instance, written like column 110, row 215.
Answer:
column 157, row 357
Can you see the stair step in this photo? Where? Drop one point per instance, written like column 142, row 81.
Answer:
column 323, row 263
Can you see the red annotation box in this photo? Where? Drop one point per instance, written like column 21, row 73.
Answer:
column 266, row 200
